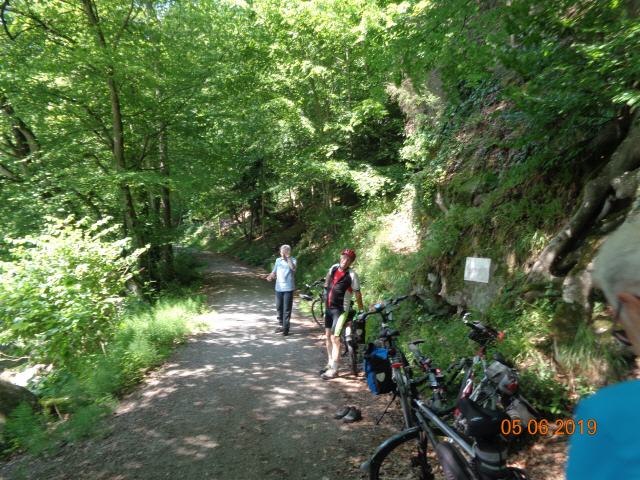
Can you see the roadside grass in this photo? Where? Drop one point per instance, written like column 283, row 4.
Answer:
column 75, row 399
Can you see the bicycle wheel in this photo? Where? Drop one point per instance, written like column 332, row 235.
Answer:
column 454, row 466
column 403, row 456
column 404, row 396
column 317, row 310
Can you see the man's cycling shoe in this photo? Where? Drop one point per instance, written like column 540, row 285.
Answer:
column 342, row 412
column 279, row 330
column 329, row 374
column 353, row 416
column 324, row 369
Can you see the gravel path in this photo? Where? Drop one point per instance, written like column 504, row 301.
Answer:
column 237, row 402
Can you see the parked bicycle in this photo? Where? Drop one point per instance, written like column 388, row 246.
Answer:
column 479, row 455
column 400, row 374
column 498, row 386
column 404, row 455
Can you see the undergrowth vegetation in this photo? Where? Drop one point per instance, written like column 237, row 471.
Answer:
column 75, row 397
column 65, row 308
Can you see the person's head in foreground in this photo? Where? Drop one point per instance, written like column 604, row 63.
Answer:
column 616, row 272
column 612, row 450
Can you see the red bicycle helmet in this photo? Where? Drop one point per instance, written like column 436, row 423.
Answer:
column 349, row 253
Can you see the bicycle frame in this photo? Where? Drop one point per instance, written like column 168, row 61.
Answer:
column 467, row 388
column 423, row 411
column 310, row 288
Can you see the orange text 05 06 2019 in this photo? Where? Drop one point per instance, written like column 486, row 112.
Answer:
column 569, row 426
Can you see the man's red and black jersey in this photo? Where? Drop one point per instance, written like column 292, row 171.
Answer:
column 340, row 282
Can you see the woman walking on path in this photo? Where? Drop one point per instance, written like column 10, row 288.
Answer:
column 284, row 273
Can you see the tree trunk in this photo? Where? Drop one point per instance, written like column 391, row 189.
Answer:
column 251, row 223
column 5, row 172
column 262, row 200
column 165, row 195
column 25, row 140
column 262, row 219
column 126, row 197
column 625, row 158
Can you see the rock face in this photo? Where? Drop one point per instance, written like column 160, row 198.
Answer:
column 473, row 294
column 12, row 395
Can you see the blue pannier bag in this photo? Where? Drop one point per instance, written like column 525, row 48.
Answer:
column 377, row 368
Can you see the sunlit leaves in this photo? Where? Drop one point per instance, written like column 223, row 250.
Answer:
column 63, row 290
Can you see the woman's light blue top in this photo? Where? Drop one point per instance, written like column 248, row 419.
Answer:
column 285, row 281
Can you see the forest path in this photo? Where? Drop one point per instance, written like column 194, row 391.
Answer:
column 236, row 402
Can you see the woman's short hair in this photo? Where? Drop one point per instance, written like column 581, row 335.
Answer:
column 616, row 267
column 286, row 247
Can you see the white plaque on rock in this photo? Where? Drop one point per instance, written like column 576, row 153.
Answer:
column 477, row 269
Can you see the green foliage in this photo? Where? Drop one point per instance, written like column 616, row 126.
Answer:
column 187, row 268
column 83, row 423
column 144, row 336
column 26, row 430
column 62, row 294
column 540, row 384
column 590, row 361
column 85, row 389
column 445, row 338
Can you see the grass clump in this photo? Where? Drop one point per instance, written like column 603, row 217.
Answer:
column 25, row 430
column 84, row 391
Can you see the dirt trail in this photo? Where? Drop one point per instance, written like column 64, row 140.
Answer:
column 240, row 402
column 237, row 402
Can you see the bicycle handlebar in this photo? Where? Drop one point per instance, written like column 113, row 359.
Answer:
column 380, row 307
column 314, row 284
column 423, row 361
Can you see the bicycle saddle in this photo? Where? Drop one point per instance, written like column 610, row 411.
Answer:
column 481, row 422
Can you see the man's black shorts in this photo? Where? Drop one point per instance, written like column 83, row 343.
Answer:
column 331, row 317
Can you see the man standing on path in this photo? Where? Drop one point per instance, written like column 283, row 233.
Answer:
column 340, row 283
column 284, row 272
